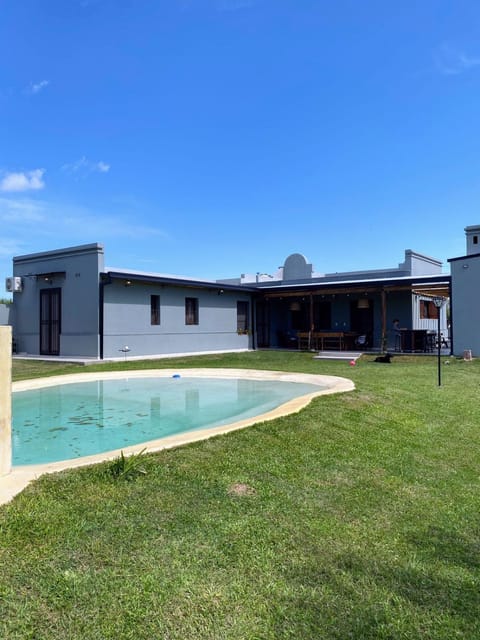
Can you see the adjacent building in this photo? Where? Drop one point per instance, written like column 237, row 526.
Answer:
column 465, row 303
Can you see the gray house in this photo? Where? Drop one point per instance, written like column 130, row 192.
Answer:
column 67, row 303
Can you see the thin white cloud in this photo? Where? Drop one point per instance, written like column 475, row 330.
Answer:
column 453, row 61
column 9, row 247
column 83, row 167
column 74, row 167
column 17, row 215
column 73, row 222
column 36, row 87
column 107, row 226
column 23, row 181
column 20, row 211
column 73, row 225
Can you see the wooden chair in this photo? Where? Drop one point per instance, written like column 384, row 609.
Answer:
column 333, row 340
column 304, row 340
column 324, row 340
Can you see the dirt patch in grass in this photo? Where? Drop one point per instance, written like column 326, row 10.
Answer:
column 241, row 489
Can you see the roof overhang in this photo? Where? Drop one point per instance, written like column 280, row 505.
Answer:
column 48, row 275
column 130, row 278
column 423, row 285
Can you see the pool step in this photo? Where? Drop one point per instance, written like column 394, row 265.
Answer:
column 338, row 355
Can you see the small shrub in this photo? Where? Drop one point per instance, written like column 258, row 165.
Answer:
column 127, row 467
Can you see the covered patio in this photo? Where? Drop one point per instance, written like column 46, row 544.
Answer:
column 354, row 315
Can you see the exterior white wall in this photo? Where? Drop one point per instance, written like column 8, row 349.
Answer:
column 428, row 324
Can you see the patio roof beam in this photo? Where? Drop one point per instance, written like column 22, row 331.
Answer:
column 360, row 290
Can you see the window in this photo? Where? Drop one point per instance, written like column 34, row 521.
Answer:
column 191, row 310
column 475, row 239
column 428, row 310
column 154, row 309
column 242, row 316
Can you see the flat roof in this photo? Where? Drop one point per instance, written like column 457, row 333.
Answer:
column 56, row 253
column 265, row 287
column 427, row 279
column 139, row 276
column 471, row 255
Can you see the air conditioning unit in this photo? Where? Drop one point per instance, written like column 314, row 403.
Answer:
column 13, row 284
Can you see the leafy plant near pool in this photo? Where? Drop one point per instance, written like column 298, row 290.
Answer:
column 127, row 467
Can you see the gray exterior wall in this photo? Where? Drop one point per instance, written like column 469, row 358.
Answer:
column 125, row 313
column 465, row 304
column 127, row 321
column 6, row 314
column 472, row 238
column 75, row 271
column 417, row 264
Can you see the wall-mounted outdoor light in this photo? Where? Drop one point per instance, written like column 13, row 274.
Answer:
column 126, row 349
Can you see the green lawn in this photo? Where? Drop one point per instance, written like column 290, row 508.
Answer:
column 356, row 518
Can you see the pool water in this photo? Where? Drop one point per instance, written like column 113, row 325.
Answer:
column 80, row 419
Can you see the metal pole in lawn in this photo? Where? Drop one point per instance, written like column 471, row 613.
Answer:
column 438, row 302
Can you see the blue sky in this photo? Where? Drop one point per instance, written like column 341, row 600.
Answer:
column 215, row 137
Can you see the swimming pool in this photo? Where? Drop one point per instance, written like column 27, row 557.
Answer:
column 20, row 475
column 80, row 419
column 22, row 472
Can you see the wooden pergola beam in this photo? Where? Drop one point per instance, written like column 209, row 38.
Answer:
column 430, row 289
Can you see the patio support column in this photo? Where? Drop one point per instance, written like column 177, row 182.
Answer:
column 311, row 328
column 384, row 320
column 450, row 311
column 5, row 400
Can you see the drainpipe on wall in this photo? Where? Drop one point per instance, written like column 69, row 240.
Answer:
column 104, row 280
column 384, row 321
